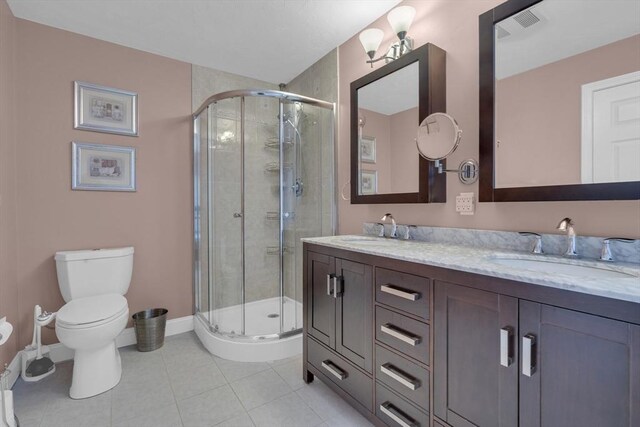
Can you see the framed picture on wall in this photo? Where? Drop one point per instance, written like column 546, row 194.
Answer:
column 368, row 182
column 368, row 149
column 105, row 109
column 102, row 167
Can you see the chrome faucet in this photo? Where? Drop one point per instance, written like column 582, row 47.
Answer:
column 537, row 247
column 605, row 255
column 567, row 225
column 394, row 227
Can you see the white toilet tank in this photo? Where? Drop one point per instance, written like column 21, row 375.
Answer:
column 94, row 272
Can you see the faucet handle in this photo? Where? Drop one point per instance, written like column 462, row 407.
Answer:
column 406, row 235
column 537, row 247
column 605, row 254
column 381, row 232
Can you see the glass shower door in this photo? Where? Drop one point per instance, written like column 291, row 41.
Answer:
column 262, row 170
column 226, row 253
column 307, row 195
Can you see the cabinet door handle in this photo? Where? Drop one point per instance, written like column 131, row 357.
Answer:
column 506, row 346
column 329, row 290
column 334, row 370
column 337, row 286
column 398, row 416
column 398, row 333
column 529, row 355
column 399, row 292
column 404, row 379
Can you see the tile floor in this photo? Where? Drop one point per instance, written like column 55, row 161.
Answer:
column 182, row 384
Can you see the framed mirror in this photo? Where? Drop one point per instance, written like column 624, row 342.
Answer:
column 560, row 101
column 387, row 105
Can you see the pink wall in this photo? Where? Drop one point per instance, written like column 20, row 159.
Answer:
column 552, row 128
column 8, row 144
column 453, row 26
column 156, row 219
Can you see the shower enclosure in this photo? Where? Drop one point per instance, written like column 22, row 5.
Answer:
column 263, row 179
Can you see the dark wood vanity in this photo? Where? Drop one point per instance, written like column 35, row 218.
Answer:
column 410, row 344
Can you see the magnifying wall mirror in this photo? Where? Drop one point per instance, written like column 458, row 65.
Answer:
column 438, row 137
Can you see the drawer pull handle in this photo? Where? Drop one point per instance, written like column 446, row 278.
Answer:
column 404, row 379
column 337, row 286
column 506, row 346
column 398, row 416
column 329, row 289
column 398, row 333
column 334, row 370
column 528, row 355
column 399, row 292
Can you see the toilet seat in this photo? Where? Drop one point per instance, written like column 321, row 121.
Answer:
column 92, row 311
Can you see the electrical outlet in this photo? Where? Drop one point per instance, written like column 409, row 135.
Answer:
column 465, row 204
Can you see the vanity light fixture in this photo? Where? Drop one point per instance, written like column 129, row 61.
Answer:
column 400, row 20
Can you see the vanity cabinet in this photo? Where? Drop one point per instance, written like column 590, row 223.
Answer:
column 532, row 364
column 471, row 384
column 339, row 313
column 409, row 344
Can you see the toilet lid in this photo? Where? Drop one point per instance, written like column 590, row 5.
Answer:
column 83, row 311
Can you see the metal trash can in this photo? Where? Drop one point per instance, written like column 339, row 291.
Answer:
column 149, row 326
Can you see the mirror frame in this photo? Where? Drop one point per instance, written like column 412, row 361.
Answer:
column 432, row 187
column 488, row 193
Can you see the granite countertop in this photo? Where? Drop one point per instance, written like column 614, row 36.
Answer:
column 483, row 261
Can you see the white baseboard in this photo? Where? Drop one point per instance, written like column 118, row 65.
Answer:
column 60, row 353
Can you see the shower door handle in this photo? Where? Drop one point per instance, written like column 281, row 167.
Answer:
column 237, row 215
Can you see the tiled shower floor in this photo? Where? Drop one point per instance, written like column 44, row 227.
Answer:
column 182, row 384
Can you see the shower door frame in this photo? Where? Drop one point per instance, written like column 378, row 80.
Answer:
column 197, row 129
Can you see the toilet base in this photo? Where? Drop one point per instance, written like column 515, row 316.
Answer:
column 95, row 371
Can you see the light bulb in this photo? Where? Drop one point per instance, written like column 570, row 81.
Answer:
column 371, row 39
column 400, row 20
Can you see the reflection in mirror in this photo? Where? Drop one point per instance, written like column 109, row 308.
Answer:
column 567, row 94
column 438, row 136
column 387, row 117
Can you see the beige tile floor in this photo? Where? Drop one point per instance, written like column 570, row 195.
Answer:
column 182, row 384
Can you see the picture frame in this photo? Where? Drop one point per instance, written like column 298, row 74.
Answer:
column 368, row 182
column 368, row 149
column 105, row 109
column 102, row 167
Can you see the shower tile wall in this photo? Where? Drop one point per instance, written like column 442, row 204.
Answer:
column 262, row 280
column 318, row 81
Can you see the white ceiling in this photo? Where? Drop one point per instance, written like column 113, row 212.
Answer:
column 567, row 28
column 270, row 40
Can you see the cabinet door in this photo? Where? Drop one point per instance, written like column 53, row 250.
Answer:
column 586, row 369
column 321, row 306
column 472, row 387
column 354, row 320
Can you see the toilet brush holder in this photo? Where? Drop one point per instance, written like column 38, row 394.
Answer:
column 29, row 354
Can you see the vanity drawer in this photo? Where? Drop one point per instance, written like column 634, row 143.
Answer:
column 403, row 334
column 397, row 412
column 403, row 291
column 403, row 376
column 341, row 372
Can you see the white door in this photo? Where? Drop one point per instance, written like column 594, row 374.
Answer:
column 611, row 130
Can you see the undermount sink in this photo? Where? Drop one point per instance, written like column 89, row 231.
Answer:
column 551, row 266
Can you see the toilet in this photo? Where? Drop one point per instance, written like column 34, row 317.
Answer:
column 93, row 284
